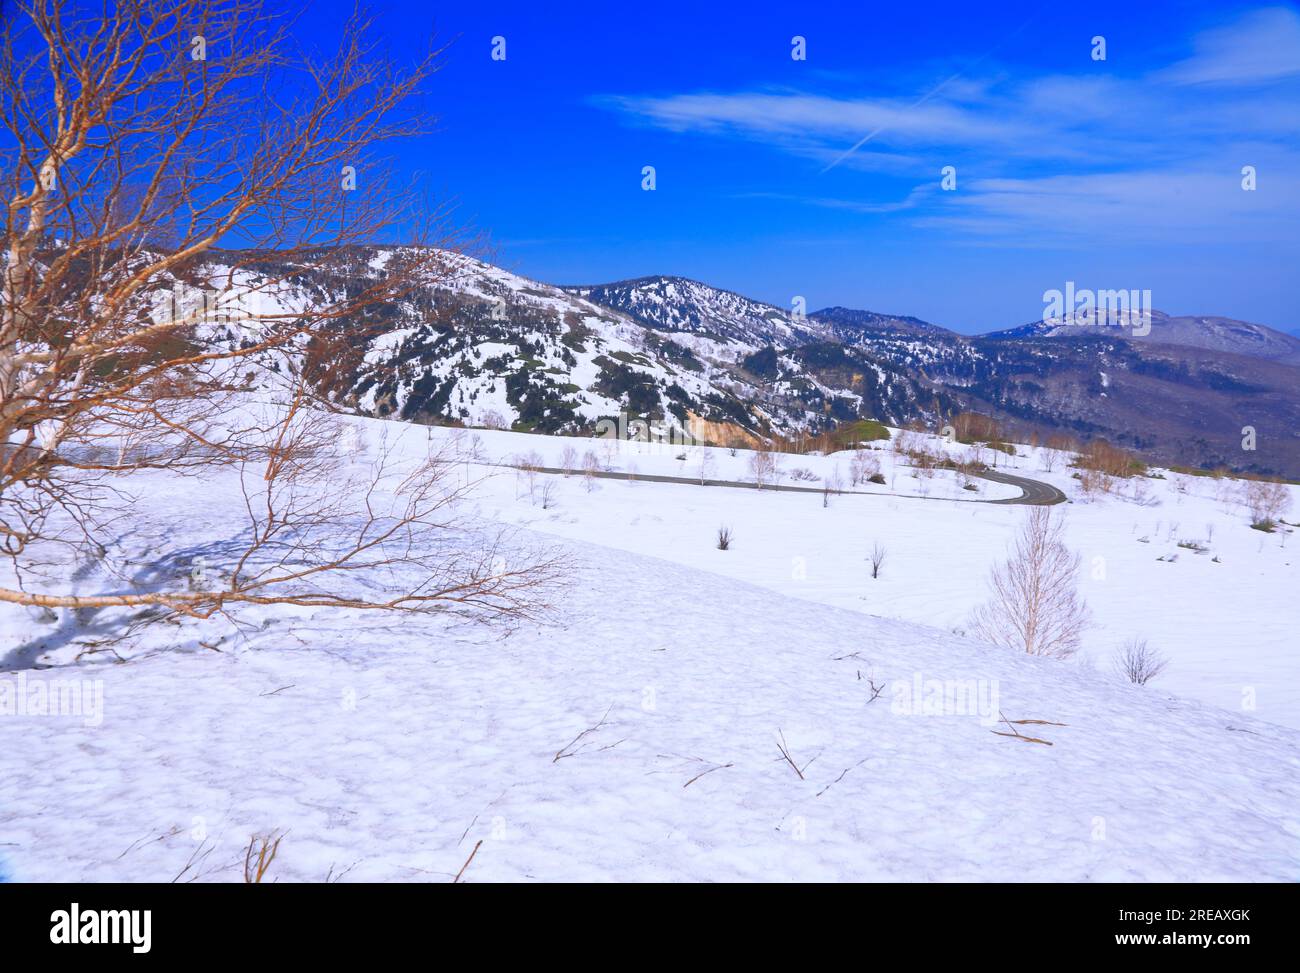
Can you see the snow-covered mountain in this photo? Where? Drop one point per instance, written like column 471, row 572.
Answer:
column 849, row 324
column 482, row 346
column 1211, row 333
column 678, row 304
column 1178, row 394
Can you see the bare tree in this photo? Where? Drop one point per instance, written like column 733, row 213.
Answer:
column 547, row 494
column 1049, row 457
column 863, row 466
column 831, row 485
column 142, row 142
column 569, row 460
column 1139, row 663
column 878, row 553
column 590, row 467
column 1103, row 466
column 707, row 466
column 724, row 538
column 970, row 427
column 1035, row 605
column 1055, row 450
column 764, row 466
column 529, row 466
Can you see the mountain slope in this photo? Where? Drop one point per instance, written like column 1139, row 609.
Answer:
column 1217, row 334
column 848, row 324
column 682, row 305
column 483, row 346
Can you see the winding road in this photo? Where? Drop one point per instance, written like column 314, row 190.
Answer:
column 1034, row 493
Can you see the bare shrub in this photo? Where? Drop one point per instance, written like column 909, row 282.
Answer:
column 1140, row 492
column 1266, row 500
column 863, row 466
column 1095, row 482
column 908, row 443
column 1035, row 605
column 968, row 464
column 259, row 855
column 1139, row 663
column 492, row 419
column 724, row 538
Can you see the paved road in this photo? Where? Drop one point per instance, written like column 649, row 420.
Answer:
column 1034, row 492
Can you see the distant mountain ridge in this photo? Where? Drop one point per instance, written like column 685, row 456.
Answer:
column 1209, row 332
column 484, row 346
column 849, row 322
column 1182, row 393
column 683, row 305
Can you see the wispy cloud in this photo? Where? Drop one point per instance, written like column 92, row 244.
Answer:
column 1084, row 154
column 818, row 116
column 1191, row 205
column 1262, row 46
column 911, row 201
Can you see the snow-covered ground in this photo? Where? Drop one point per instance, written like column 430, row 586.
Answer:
column 1231, row 626
column 637, row 735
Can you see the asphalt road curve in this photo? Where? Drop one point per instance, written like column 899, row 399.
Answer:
column 1034, row 492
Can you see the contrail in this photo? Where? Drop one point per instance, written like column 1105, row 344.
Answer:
column 925, row 97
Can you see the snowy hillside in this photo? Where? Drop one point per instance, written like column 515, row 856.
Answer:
column 768, row 712
column 677, row 304
column 479, row 345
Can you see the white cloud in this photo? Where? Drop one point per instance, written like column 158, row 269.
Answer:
column 1200, row 204
column 1089, row 155
column 1262, row 46
column 819, row 116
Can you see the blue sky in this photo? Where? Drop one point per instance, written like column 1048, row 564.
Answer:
column 1122, row 173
